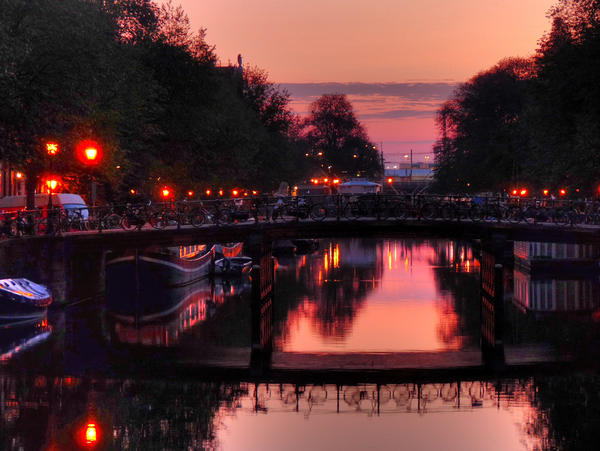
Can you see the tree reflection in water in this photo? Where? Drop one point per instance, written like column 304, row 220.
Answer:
column 560, row 412
column 455, row 267
column 51, row 413
column 328, row 286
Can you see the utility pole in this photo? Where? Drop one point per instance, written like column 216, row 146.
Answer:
column 411, row 164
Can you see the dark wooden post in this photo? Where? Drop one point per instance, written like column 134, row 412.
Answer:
column 492, row 304
column 263, row 282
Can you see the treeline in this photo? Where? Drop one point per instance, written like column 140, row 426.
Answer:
column 133, row 76
column 531, row 123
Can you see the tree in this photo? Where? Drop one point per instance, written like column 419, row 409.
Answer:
column 483, row 143
column 339, row 143
column 58, row 79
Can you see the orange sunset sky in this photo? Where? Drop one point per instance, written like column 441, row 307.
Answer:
column 396, row 59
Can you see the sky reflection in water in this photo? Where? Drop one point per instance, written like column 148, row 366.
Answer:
column 378, row 296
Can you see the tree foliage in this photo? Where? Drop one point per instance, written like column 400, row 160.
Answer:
column 135, row 77
column 338, row 142
column 537, row 124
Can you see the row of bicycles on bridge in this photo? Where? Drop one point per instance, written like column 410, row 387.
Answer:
column 287, row 209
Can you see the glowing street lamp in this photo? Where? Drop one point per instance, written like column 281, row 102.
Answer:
column 91, row 153
column 51, row 184
column 51, row 148
column 91, row 434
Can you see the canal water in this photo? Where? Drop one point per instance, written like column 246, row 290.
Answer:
column 89, row 376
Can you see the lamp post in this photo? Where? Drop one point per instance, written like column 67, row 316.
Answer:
column 52, row 149
column 88, row 152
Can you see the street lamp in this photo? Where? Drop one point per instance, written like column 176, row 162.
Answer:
column 89, row 153
column 52, row 149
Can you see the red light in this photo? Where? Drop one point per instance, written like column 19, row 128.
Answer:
column 52, row 148
column 132, row 191
column 51, row 184
column 562, row 192
column 315, row 181
column 19, row 175
column 165, row 192
column 523, row 192
column 220, row 192
column 208, row 192
column 514, row 192
column 91, row 153
column 325, row 180
column 254, row 192
column 235, row 192
column 88, row 152
column 245, row 193
column 190, row 193
column 577, row 190
column 390, row 180
column 91, row 434
column 336, row 181
column 545, row 192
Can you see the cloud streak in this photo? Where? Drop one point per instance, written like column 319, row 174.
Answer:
column 438, row 91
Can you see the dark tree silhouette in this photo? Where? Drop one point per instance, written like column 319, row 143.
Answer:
column 339, row 142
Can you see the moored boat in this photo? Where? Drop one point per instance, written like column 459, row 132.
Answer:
column 22, row 300
column 148, row 282
column 233, row 266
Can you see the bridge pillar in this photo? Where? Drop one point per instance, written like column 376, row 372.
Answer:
column 494, row 255
column 263, row 283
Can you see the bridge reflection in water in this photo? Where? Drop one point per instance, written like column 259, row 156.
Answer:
column 503, row 346
column 40, row 412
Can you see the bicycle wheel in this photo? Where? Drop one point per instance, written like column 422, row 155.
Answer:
column 492, row 213
column 447, row 212
column 400, row 211
column 158, row 221
column 476, row 213
column 352, row 210
column 127, row 223
column 112, row 221
column 197, row 218
column 514, row 214
column 278, row 214
column 428, row 211
column 318, row 212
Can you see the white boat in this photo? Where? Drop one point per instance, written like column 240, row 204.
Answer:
column 22, row 299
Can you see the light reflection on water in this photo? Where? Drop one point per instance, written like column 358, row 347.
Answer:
column 377, row 296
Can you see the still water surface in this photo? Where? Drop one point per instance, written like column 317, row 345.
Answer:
column 85, row 366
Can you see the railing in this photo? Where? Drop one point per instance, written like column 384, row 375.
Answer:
column 308, row 208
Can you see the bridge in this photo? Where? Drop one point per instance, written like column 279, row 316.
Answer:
column 73, row 262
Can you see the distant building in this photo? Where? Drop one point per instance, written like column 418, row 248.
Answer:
column 405, row 176
column 12, row 182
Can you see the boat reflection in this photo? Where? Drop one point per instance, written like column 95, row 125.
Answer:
column 194, row 304
column 15, row 339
